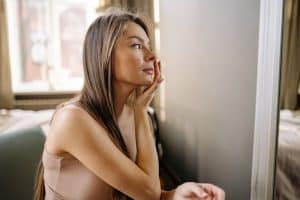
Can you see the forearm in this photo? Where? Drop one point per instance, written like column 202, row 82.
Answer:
column 147, row 158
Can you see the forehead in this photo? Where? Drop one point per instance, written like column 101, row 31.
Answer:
column 133, row 29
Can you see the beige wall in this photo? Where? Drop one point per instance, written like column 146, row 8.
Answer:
column 210, row 53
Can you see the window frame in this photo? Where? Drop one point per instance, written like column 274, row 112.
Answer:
column 33, row 96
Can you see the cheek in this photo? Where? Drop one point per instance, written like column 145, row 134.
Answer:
column 127, row 65
column 133, row 60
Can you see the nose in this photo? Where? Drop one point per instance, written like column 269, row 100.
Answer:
column 149, row 54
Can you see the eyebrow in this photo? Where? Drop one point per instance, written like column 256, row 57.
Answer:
column 138, row 38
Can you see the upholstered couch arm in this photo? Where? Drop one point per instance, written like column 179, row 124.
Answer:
column 20, row 152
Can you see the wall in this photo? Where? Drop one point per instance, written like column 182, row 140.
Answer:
column 209, row 51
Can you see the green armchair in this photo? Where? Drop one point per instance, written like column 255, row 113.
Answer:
column 20, row 152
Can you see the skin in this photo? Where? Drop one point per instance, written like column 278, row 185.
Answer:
column 132, row 54
column 72, row 127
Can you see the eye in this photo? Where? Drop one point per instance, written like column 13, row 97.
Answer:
column 137, row 46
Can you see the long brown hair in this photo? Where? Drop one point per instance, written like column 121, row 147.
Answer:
column 96, row 96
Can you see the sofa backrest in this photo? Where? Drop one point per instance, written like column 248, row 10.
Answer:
column 20, row 152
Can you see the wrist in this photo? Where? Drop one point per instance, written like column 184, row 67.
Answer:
column 140, row 109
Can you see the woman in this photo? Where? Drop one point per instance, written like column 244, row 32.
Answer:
column 100, row 144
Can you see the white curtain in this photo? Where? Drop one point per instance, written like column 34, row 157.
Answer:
column 290, row 66
column 6, row 94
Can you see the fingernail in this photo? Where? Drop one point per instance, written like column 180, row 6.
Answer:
column 203, row 194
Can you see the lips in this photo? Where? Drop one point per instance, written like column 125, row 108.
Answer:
column 149, row 70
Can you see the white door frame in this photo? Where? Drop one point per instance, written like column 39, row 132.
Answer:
column 267, row 98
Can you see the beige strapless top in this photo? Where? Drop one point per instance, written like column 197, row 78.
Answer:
column 67, row 178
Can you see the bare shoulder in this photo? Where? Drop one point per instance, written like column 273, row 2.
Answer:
column 69, row 123
column 75, row 132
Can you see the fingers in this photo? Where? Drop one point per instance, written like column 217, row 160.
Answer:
column 198, row 191
column 157, row 79
column 191, row 190
column 157, row 71
column 213, row 190
column 197, row 198
column 161, row 77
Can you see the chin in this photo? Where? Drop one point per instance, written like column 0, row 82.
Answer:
column 144, row 81
column 148, row 81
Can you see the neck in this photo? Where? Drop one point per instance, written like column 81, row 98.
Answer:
column 121, row 94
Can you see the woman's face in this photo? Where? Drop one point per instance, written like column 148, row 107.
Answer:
column 132, row 60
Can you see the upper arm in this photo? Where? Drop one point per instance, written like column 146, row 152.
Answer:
column 77, row 133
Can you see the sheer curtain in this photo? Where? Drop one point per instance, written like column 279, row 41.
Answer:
column 290, row 66
column 6, row 94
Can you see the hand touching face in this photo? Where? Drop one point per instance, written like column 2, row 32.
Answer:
column 144, row 96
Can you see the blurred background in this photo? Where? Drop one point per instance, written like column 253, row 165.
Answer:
column 204, row 110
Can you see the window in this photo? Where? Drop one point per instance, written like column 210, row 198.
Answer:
column 45, row 43
column 161, row 104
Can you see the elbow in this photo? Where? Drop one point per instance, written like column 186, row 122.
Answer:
column 156, row 193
